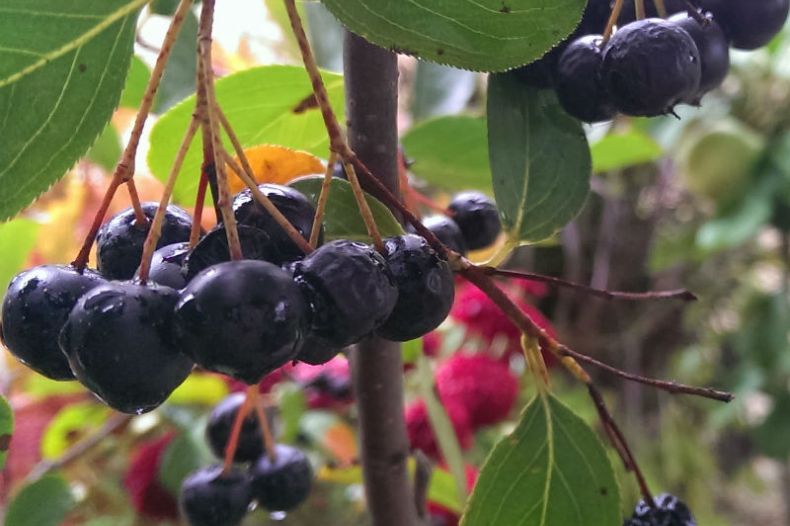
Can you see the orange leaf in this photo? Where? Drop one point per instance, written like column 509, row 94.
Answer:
column 339, row 440
column 276, row 164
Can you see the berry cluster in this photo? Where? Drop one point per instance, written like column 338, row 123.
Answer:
column 278, row 480
column 649, row 66
column 669, row 511
column 471, row 224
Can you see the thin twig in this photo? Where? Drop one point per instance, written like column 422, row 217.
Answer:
column 323, row 198
column 235, row 433
column 639, row 8
column 616, row 10
column 197, row 214
column 364, row 206
column 269, row 443
column 661, row 8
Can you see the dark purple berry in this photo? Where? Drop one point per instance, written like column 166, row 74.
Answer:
column 241, row 318
column 426, row 288
column 220, row 424
column 649, row 66
column 167, row 266
column 119, row 344
column 477, row 217
column 350, row 290
column 36, row 305
column 119, row 244
column 284, row 484
column 316, row 351
column 669, row 511
column 291, row 203
column 749, row 24
column 213, row 249
column 210, row 497
column 579, row 87
column 447, row 231
column 714, row 51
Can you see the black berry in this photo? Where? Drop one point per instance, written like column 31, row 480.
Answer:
column 213, row 249
column 669, row 511
column 447, row 231
column 316, row 351
column 220, row 424
column 649, row 66
column 210, row 497
column 119, row 345
column 425, row 288
column 350, row 290
column 167, row 266
column 477, row 217
column 714, row 51
column 749, row 24
column 241, row 318
column 119, row 244
column 294, row 206
column 284, row 484
column 35, row 308
column 579, row 87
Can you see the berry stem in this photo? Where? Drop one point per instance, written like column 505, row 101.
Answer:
column 323, row 198
column 364, row 207
column 268, row 437
column 235, row 433
column 682, row 294
column 197, row 215
column 661, row 7
column 426, row 201
column 124, row 170
column 155, row 231
column 617, row 8
column 639, row 8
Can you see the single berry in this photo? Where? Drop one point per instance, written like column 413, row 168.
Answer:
column 350, row 290
column 669, row 511
column 167, row 266
column 447, row 231
column 213, row 249
column 579, row 87
column 478, row 218
column 649, row 66
column 714, row 51
column 36, row 305
column 119, row 345
column 628, row 13
column 210, row 497
column 316, row 351
column 420, row 430
column 749, row 24
column 220, row 424
column 483, row 385
column 149, row 497
column 282, row 484
column 426, row 288
column 119, row 244
column 241, row 318
column 291, row 203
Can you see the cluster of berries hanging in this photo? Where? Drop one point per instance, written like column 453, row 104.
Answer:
column 649, row 66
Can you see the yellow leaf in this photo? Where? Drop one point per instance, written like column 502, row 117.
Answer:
column 276, row 164
column 200, row 389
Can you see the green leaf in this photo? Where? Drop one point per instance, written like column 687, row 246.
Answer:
column 342, row 219
column 70, row 423
column 165, row 7
column 62, row 69
column 484, row 35
column 411, row 351
column 178, row 80
column 442, row 491
column 773, row 435
column 6, row 429
column 136, row 82
column 539, row 158
column 551, row 471
column 263, row 105
column 184, row 454
column 106, row 151
column 292, row 404
column 44, row 502
column 17, row 239
column 441, row 90
column 621, row 150
column 460, row 163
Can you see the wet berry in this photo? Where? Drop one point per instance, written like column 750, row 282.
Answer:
column 213, row 249
column 649, row 66
column 669, row 511
column 316, row 351
column 119, row 345
column 220, row 424
column 714, row 51
column 447, row 231
column 477, row 217
column 425, row 288
column 579, row 88
column 119, row 243
column 241, row 318
column 167, row 266
column 35, row 308
column 284, row 484
column 749, row 24
column 350, row 290
column 210, row 497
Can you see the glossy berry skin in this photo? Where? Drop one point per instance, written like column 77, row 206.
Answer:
column 213, row 249
column 211, row 498
column 714, row 51
column 670, row 511
column 291, row 203
column 447, row 231
column 349, row 288
column 477, row 217
column 316, row 351
column 426, row 288
column 241, row 318
column 284, row 484
column 579, row 88
column 119, row 243
column 649, row 66
column 36, row 305
column 220, row 424
column 167, row 266
column 751, row 24
column 119, row 344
